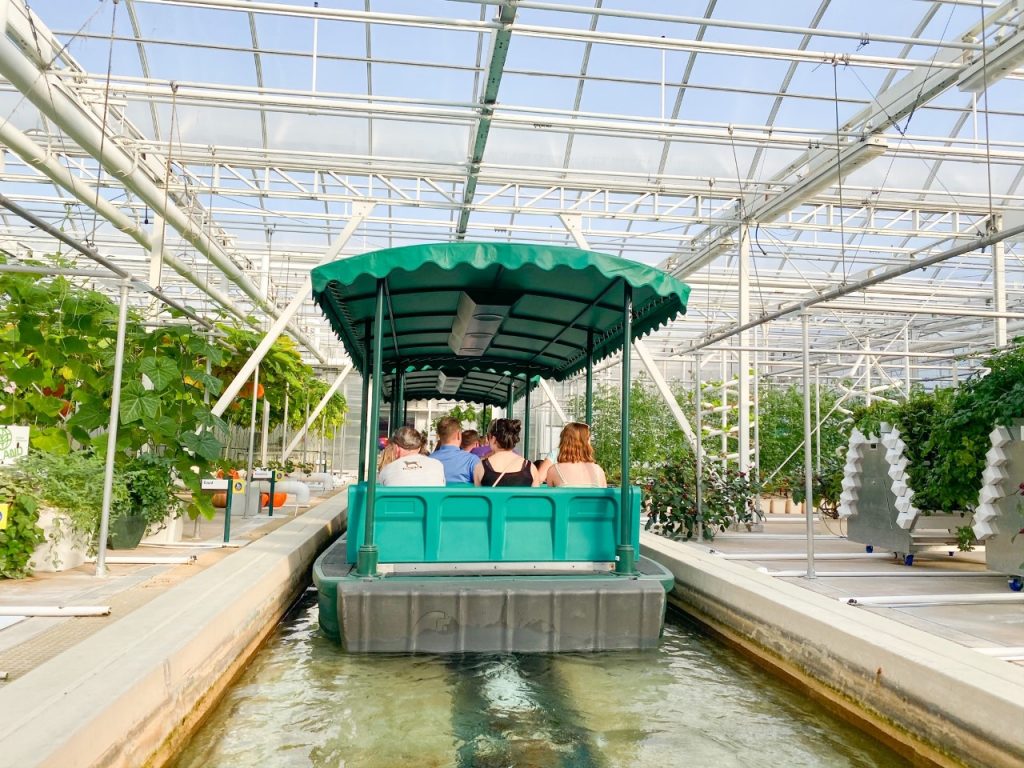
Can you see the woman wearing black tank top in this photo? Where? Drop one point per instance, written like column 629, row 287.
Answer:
column 503, row 466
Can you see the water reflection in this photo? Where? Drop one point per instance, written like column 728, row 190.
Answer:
column 303, row 703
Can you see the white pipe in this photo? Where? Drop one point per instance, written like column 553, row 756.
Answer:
column 778, row 536
column 51, row 97
column 915, row 600
column 152, row 559
column 802, row 556
column 1008, row 653
column 54, row 610
column 901, row 572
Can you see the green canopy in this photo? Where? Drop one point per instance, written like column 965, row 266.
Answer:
column 453, row 382
column 511, row 309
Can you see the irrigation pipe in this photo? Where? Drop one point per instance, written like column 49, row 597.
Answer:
column 803, row 555
column 924, row 600
column 901, row 572
column 54, row 610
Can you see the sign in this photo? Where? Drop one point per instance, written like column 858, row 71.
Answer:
column 263, row 474
column 5, row 515
column 213, row 484
column 13, row 443
column 238, row 486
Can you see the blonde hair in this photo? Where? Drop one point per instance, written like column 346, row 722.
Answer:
column 574, row 444
column 389, row 454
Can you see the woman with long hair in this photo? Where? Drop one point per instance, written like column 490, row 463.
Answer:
column 503, row 466
column 576, row 466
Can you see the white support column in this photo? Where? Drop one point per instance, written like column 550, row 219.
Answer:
column 359, row 212
column 743, row 317
column 906, row 363
column 869, row 362
column 999, row 286
column 554, row 403
column 316, row 412
column 666, row 393
column 156, row 251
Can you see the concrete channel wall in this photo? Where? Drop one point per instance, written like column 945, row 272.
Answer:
column 937, row 702
column 131, row 694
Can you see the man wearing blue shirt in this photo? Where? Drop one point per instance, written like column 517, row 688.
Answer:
column 458, row 464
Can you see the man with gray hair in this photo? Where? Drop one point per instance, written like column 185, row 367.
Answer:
column 410, row 467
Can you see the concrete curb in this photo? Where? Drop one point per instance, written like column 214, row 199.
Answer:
column 132, row 693
column 944, row 703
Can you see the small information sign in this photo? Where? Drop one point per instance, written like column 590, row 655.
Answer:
column 5, row 514
column 13, row 443
column 238, row 486
column 262, row 474
column 214, row 484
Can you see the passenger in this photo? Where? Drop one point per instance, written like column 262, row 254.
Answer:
column 470, row 440
column 388, row 455
column 503, row 466
column 410, row 467
column 575, row 466
column 458, row 464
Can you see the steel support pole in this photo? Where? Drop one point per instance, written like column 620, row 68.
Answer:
column 743, row 366
column 868, row 364
column 399, row 400
column 907, row 381
column 755, row 366
column 625, row 558
column 265, row 433
column 808, row 473
column 252, row 435
column 115, row 413
column 590, row 378
column 698, row 446
column 526, row 419
column 364, row 402
column 999, row 290
column 331, row 391
column 366, row 560
column 817, row 418
column 510, row 400
column 359, row 212
column 284, row 423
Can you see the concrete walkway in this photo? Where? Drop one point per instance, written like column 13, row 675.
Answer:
column 125, row 690
column 940, row 681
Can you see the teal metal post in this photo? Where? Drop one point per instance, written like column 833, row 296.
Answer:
column 625, row 561
column 366, row 393
column 273, row 482
column 590, row 379
column 366, row 560
column 399, row 399
column 510, row 401
column 227, row 511
column 526, row 420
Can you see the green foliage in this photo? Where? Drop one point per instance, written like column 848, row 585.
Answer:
column 149, row 482
column 466, row 413
column 781, row 430
column 21, row 536
column 826, row 485
column 671, row 497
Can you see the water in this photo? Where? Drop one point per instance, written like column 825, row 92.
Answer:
column 304, row 704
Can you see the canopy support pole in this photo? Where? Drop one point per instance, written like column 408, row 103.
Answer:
column 625, row 557
column 526, row 420
column 399, row 399
column 364, row 429
column 589, row 418
column 366, row 561
column 510, row 401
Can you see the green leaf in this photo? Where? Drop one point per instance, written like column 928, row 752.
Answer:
column 138, row 404
column 50, row 440
column 160, row 427
column 204, row 445
column 207, row 381
column 91, row 415
column 160, row 370
column 25, row 376
column 204, row 418
column 28, row 331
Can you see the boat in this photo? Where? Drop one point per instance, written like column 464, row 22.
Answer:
column 467, row 569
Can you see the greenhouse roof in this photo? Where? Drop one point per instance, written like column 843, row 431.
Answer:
column 221, row 149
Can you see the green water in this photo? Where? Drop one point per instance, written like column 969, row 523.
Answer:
column 692, row 703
